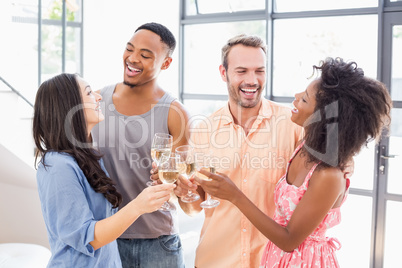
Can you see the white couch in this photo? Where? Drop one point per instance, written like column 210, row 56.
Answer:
column 20, row 255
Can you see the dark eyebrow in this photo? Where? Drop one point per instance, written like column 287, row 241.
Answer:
column 147, row 50
column 87, row 88
column 307, row 94
column 142, row 49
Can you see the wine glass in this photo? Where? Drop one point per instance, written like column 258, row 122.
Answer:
column 161, row 149
column 168, row 173
column 186, row 167
column 207, row 166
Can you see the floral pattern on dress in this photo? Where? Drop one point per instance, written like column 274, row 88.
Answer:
column 317, row 250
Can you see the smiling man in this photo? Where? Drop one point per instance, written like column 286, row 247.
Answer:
column 245, row 79
column 135, row 110
column 249, row 140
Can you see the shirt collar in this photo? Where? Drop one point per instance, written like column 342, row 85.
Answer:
column 265, row 112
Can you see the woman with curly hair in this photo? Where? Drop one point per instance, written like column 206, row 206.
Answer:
column 79, row 201
column 341, row 111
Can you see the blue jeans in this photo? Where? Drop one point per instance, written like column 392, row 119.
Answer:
column 162, row 252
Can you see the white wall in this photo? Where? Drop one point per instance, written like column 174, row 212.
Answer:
column 108, row 25
column 21, row 218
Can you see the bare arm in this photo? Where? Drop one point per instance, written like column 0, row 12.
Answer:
column 325, row 188
column 178, row 121
column 149, row 200
column 178, row 128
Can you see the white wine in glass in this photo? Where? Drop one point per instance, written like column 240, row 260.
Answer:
column 161, row 149
column 186, row 167
column 168, row 176
column 210, row 202
column 168, row 173
column 160, row 155
column 202, row 176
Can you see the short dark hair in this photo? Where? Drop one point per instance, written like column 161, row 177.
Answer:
column 351, row 110
column 164, row 33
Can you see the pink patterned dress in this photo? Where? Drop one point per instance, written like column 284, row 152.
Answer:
column 317, row 250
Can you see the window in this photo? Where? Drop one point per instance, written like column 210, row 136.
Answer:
column 203, row 58
column 196, row 7
column 36, row 51
column 310, row 5
column 296, row 51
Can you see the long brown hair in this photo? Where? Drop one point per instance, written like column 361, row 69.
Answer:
column 55, row 100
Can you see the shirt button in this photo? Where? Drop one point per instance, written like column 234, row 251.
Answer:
column 244, row 230
column 244, row 254
column 245, row 180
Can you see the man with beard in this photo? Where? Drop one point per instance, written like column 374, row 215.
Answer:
column 249, row 140
column 135, row 110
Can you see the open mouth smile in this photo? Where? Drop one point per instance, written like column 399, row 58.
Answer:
column 132, row 70
column 294, row 109
column 249, row 91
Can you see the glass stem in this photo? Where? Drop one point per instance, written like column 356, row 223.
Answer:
column 189, row 192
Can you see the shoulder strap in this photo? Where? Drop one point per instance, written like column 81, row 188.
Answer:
column 309, row 174
column 297, row 149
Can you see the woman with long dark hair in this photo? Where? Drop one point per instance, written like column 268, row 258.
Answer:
column 79, row 201
column 341, row 111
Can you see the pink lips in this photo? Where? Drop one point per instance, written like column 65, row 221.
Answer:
column 131, row 72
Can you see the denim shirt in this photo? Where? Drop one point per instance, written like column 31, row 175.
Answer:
column 70, row 208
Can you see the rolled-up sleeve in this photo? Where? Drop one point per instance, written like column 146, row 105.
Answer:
column 65, row 206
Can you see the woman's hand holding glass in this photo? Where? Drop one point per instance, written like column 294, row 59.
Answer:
column 217, row 184
column 206, row 165
column 152, row 198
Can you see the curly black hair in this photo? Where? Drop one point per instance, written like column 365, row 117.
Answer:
column 351, row 110
column 55, row 99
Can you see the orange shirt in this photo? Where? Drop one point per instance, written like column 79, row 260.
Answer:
column 255, row 163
